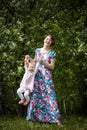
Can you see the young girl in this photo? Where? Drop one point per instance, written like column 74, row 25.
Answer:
column 27, row 83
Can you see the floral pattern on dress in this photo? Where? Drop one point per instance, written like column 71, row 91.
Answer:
column 43, row 104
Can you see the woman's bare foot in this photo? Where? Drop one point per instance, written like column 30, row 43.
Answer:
column 58, row 123
column 25, row 103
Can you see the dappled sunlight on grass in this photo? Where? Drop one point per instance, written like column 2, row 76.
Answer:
column 68, row 123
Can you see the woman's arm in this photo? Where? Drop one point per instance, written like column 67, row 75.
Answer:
column 50, row 65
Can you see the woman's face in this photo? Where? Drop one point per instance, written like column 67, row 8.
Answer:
column 47, row 41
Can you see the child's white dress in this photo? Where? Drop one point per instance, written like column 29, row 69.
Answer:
column 28, row 78
column 27, row 83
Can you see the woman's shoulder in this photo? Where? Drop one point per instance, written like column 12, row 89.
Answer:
column 52, row 53
column 37, row 49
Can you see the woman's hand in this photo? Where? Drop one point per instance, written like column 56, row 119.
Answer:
column 50, row 65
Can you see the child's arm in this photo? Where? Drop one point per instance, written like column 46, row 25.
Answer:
column 29, row 59
column 36, row 68
column 26, row 67
column 26, row 62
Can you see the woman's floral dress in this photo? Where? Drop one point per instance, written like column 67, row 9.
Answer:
column 43, row 105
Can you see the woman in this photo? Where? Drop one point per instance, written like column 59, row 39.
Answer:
column 43, row 105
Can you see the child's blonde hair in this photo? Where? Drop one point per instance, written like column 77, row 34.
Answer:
column 32, row 63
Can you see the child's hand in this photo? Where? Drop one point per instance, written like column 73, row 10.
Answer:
column 26, row 60
column 31, row 90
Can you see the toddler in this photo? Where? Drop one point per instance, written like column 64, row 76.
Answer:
column 27, row 83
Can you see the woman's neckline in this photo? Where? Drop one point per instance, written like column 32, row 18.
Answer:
column 45, row 52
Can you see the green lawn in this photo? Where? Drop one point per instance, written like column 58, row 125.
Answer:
column 68, row 123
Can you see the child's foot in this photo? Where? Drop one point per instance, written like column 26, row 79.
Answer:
column 25, row 103
column 21, row 101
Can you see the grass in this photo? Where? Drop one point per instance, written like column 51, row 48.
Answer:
column 72, row 122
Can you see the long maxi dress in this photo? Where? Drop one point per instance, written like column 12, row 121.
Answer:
column 43, row 105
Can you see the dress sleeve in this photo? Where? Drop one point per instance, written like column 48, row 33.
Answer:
column 37, row 51
column 25, row 67
column 52, row 54
column 36, row 68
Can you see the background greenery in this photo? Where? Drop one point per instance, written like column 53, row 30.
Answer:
column 23, row 26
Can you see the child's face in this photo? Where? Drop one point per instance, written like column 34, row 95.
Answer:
column 31, row 67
